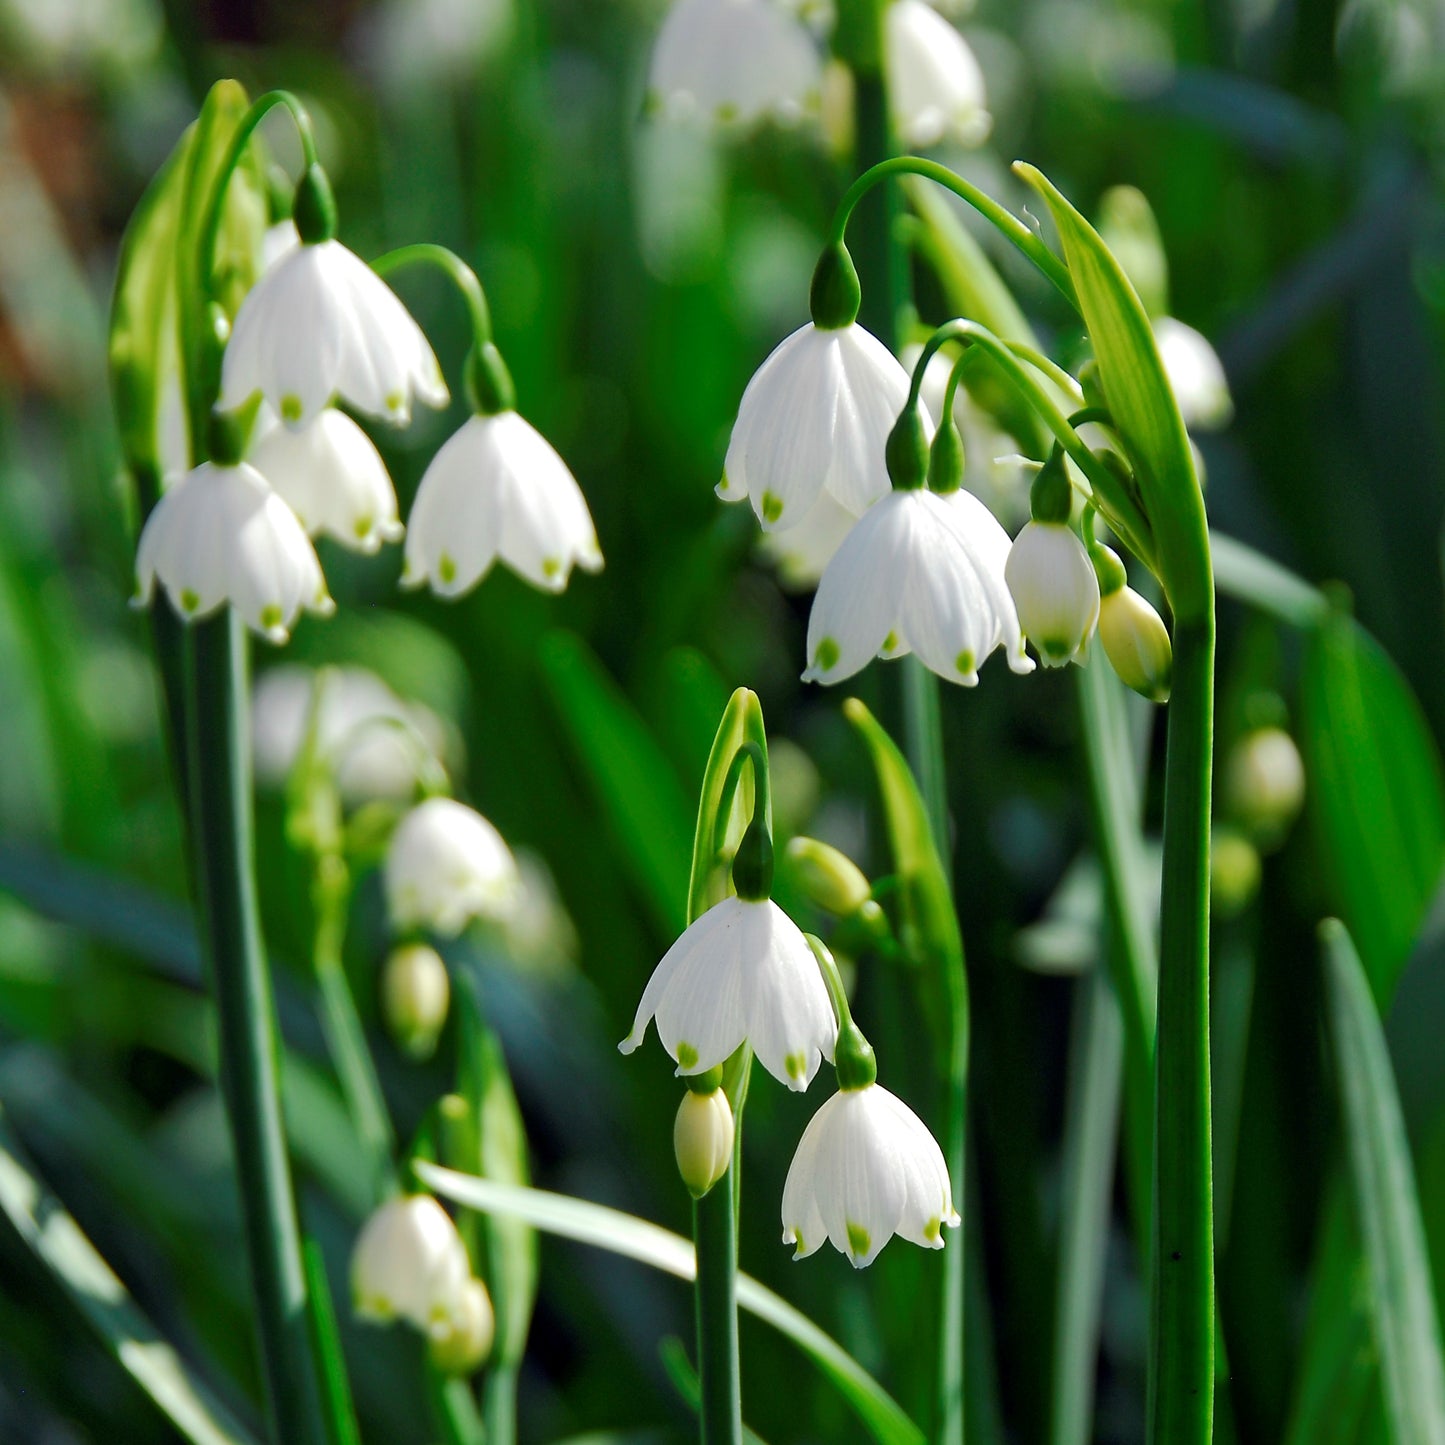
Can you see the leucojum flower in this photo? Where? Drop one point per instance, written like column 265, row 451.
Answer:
column 935, row 84
column 1135, row 638
column 409, row 1263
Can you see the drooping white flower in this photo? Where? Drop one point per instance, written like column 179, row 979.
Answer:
column 802, row 552
column 734, row 62
column 447, row 865
column 1055, row 590
column 221, row 535
column 467, row 1341
column 409, row 1263
column 742, row 971
column 498, row 489
column 918, row 573
column 320, row 323
column 935, row 83
column 815, row 418
column 1196, row 375
column 280, row 240
column 329, row 473
column 866, row 1169
column 1265, row 783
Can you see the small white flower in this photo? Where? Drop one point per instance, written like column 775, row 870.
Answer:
column 329, row 473
column 1055, row 589
column 219, row 535
column 734, row 62
column 918, row 573
column 447, row 865
column 802, row 552
column 935, row 84
column 321, row 323
column 815, row 418
column 742, row 971
column 1265, row 783
column 1196, row 375
column 416, row 996
column 498, row 489
column 410, row 1264
column 866, row 1169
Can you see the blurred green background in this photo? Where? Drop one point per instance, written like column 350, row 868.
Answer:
column 638, row 274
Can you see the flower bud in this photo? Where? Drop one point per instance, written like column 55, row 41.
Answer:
column 410, row 1263
column 1234, row 872
column 1054, row 589
column 831, row 879
column 415, row 997
column 1137, row 643
column 702, row 1140
column 1265, row 784
column 468, row 1342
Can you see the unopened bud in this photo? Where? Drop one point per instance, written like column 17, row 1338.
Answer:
column 1234, row 872
column 702, row 1140
column 1265, row 784
column 831, row 879
column 415, row 998
column 467, row 1342
column 1137, row 643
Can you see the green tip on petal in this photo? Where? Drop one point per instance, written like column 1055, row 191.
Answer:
column 446, row 568
column 890, row 643
column 858, row 1240
column 189, row 600
column 271, row 616
column 933, row 1229
column 966, row 663
column 827, row 655
column 291, row 408
column 796, row 1065
column 772, row 506
column 686, row 1056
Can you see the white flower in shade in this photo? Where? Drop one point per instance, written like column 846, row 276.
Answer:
column 918, row 573
column 221, row 535
column 866, row 1169
column 329, row 473
column 742, row 971
column 802, row 552
column 1055, row 589
column 410, row 1264
column 1195, row 373
column 733, row 62
column 815, row 418
column 447, row 865
column 498, row 489
column 320, row 323
column 935, row 84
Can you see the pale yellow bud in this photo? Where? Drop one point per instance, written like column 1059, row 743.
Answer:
column 831, row 879
column 702, row 1139
column 1137, row 643
column 415, row 996
column 1265, row 784
column 467, row 1341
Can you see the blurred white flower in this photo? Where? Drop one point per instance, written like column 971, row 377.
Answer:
column 734, row 62
column 498, row 489
column 1196, row 375
column 416, row 994
column 221, row 535
column 1265, row 783
column 802, row 552
column 815, row 418
column 741, row 971
column 410, row 45
column 59, row 36
column 410, row 1264
column 467, row 1341
column 446, row 866
column 866, row 1169
column 319, row 324
column 329, row 473
column 1055, row 590
column 935, row 84
column 377, row 745
column 918, row 573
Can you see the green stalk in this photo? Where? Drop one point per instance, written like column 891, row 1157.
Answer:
column 499, row 1404
column 714, row 1229
column 221, row 837
column 1181, row 1336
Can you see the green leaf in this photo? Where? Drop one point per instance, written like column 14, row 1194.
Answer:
column 338, row 1412
column 630, row 775
column 650, row 1244
column 1260, row 581
column 56, row 1240
column 1139, row 397
column 1402, row 1303
column 1377, row 798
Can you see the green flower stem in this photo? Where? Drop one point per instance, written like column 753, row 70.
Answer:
column 451, row 265
column 714, row 1229
column 221, row 837
column 1181, row 1336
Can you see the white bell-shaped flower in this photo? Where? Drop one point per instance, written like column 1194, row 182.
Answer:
column 447, row 865
column 918, row 573
column 742, row 971
column 1055, row 589
column 329, row 473
column 280, row 239
column 318, row 324
column 734, row 62
column 497, row 488
column 1195, row 374
column 935, row 83
column 866, row 1168
column 815, row 418
column 410, row 1264
column 801, row 553
column 221, row 535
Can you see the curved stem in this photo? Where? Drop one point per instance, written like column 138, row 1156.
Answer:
column 748, row 752
column 451, row 265
column 1017, row 231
